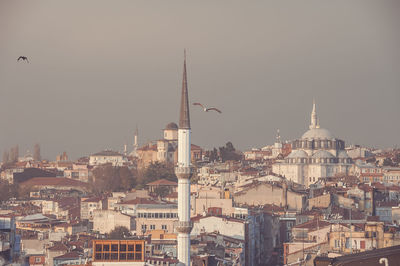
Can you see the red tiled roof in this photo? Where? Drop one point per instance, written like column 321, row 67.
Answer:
column 53, row 181
column 139, row 201
column 195, row 147
column 148, row 147
column 59, row 247
column 162, row 182
column 70, row 255
column 172, row 195
column 313, row 224
column 93, row 199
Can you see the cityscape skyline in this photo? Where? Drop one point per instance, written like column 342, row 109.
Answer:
column 82, row 93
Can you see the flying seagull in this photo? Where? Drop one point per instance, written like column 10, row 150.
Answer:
column 207, row 109
column 23, row 58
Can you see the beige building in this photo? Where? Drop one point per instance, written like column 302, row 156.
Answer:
column 372, row 236
column 210, row 197
column 261, row 193
column 226, row 226
column 104, row 221
column 89, row 205
column 322, row 201
column 156, row 217
column 79, row 172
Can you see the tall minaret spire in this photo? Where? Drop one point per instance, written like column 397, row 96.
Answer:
column 314, row 119
column 184, row 119
column 183, row 172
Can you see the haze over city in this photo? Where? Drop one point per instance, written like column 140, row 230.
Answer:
column 98, row 69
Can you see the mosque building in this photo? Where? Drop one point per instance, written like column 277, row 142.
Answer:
column 317, row 154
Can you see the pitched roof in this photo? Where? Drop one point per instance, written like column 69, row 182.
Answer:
column 162, row 182
column 58, row 246
column 138, row 201
column 53, row 181
column 93, row 199
column 313, row 224
column 70, row 255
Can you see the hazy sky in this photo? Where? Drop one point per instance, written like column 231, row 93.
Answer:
column 99, row 68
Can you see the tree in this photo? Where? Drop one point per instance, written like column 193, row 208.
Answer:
column 7, row 190
column 119, row 232
column 14, row 154
column 109, row 178
column 36, row 152
column 387, row 162
column 396, row 158
column 6, row 157
column 228, row 153
column 161, row 191
column 156, row 171
column 214, row 155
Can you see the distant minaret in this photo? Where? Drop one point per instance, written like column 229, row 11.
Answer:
column 183, row 172
column 314, row 119
column 135, row 144
column 278, row 136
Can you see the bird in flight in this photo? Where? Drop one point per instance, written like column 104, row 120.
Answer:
column 23, row 58
column 207, row 109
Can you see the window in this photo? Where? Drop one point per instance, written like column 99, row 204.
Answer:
column 152, row 227
column 123, row 250
column 164, row 227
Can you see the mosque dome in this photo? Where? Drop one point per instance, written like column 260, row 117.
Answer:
column 298, row 154
column 323, row 154
column 317, row 133
column 171, row 126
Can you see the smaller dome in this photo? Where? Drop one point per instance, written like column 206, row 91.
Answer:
column 298, row 154
column 343, row 154
column 318, row 133
column 172, row 126
column 323, row 154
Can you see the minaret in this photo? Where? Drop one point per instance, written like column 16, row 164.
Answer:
column 135, row 144
column 183, row 172
column 314, row 119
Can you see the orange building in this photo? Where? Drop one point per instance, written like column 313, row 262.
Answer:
column 125, row 251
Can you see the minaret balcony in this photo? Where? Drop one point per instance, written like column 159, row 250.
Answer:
column 183, row 172
column 184, row 227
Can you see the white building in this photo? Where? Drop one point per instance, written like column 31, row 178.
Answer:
column 316, row 154
column 107, row 156
column 104, row 221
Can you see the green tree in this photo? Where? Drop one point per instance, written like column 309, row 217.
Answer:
column 228, row 153
column 156, row 171
column 161, row 191
column 36, row 152
column 119, row 232
column 6, row 157
column 7, row 190
column 387, row 162
column 109, row 178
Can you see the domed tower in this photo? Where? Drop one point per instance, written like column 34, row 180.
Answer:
column 171, row 131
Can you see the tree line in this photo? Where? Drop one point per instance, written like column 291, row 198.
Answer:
column 225, row 153
column 11, row 156
column 108, row 178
